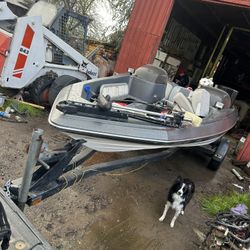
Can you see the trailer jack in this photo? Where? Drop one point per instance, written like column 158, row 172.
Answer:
column 49, row 173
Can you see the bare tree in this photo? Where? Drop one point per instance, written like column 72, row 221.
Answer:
column 121, row 10
column 96, row 28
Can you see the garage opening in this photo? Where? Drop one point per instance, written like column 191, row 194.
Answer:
column 208, row 40
column 234, row 66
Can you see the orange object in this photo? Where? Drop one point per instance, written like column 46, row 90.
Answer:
column 244, row 153
column 4, row 47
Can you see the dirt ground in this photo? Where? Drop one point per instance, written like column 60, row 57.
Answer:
column 114, row 212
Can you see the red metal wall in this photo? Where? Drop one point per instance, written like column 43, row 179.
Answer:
column 244, row 154
column 145, row 29
column 144, row 32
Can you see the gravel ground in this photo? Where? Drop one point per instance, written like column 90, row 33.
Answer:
column 114, row 211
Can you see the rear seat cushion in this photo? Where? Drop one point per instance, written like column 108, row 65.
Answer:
column 218, row 95
column 169, row 88
column 178, row 89
column 175, row 90
column 182, row 103
column 201, row 102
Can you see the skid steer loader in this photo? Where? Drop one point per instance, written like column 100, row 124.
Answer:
column 34, row 58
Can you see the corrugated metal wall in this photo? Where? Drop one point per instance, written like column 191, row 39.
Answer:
column 145, row 29
column 179, row 41
column 144, row 32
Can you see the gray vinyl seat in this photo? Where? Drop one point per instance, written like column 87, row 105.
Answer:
column 201, row 102
column 182, row 103
column 218, row 95
column 177, row 97
column 173, row 90
column 198, row 104
column 178, row 89
column 169, row 87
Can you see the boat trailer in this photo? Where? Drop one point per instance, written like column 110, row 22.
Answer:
column 49, row 172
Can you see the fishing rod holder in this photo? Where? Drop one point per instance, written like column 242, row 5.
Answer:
column 120, row 113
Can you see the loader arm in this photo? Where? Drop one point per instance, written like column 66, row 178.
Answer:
column 84, row 64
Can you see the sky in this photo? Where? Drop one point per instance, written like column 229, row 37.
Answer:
column 105, row 13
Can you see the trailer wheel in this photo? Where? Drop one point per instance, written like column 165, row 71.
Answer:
column 39, row 90
column 58, row 84
column 219, row 156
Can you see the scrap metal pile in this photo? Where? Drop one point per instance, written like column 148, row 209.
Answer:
column 228, row 231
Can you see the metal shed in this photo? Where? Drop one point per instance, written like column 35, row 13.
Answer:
column 146, row 28
column 143, row 35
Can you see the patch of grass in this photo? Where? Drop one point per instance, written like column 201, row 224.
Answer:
column 222, row 203
column 22, row 107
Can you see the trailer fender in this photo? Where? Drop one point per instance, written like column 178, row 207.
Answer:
column 221, row 150
column 219, row 155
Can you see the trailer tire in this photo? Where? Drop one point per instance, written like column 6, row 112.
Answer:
column 39, row 89
column 220, row 154
column 58, row 84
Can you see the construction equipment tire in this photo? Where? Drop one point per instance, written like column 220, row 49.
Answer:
column 39, row 90
column 58, row 84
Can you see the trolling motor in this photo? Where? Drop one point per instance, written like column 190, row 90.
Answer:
column 5, row 231
column 103, row 102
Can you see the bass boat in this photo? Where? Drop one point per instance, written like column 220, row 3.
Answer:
column 142, row 110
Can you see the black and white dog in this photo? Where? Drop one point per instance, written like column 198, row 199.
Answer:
column 178, row 197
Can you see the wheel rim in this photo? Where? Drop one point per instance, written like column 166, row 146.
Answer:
column 44, row 97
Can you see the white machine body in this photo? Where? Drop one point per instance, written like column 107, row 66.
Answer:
column 25, row 53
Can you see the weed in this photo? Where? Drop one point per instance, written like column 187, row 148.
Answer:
column 222, row 203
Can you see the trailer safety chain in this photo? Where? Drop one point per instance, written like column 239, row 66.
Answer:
column 7, row 188
column 5, row 231
column 73, row 173
column 66, row 182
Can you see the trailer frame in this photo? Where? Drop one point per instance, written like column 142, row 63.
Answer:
column 46, row 174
